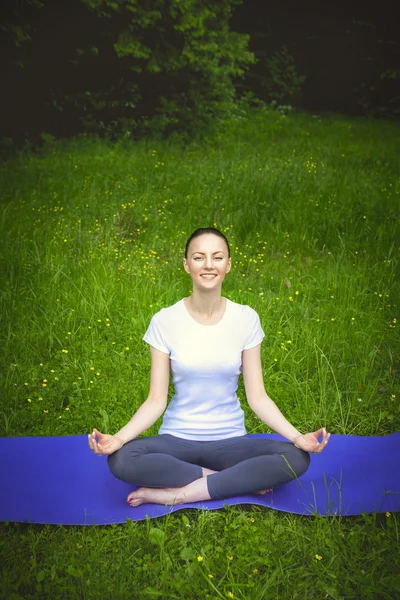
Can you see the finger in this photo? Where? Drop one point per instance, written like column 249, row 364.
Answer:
column 97, row 448
column 319, row 432
column 325, row 438
column 323, row 444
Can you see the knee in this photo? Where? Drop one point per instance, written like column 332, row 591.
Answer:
column 300, row 461
column 125, row 463
column 116, row 463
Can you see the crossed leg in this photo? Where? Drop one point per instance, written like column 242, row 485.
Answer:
column 169, row 472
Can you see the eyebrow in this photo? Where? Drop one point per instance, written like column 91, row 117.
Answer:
column 216, row 252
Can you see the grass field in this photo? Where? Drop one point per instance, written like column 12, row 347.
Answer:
column 92, row 242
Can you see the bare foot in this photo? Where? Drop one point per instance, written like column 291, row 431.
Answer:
column 145, row 495
column 193, row 492
column 170, row 496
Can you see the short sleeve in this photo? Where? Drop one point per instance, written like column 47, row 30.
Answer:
column 154, row 335
column 254, row 330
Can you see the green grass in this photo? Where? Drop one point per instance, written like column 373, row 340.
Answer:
column 92, row 241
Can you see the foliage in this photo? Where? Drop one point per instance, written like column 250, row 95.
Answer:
column 282, row 82
column 376, row 82
column 16, row 20
column 173, row 65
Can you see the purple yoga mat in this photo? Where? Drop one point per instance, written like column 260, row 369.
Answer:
column 58, row 480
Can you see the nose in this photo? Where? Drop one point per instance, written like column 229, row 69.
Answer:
column 209, row 262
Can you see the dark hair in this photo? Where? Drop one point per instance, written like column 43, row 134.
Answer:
column 202, row 231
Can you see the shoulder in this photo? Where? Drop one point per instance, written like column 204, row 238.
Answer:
column 162, row 326
column 247, row 324
column 169, row 313
column 244, row 311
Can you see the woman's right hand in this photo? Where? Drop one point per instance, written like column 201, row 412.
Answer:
column 103, row 444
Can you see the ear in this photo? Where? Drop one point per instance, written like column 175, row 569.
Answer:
column 186, row 266
column 229, row 266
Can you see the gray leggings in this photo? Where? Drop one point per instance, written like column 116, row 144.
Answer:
column 245, row 464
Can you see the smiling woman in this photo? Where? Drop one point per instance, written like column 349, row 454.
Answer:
column 207, row 260
column 202, row 451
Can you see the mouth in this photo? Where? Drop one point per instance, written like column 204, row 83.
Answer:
column 208, row 275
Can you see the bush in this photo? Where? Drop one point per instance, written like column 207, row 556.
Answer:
column 173, row 66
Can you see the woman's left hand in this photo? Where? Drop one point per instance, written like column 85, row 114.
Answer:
column 309, row 441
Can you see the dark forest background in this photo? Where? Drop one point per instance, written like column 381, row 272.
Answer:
column 151, row 66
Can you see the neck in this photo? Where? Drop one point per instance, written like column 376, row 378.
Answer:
column 206, row 304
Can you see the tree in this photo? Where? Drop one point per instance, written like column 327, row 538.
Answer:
column 123, row 66
column 171, row 65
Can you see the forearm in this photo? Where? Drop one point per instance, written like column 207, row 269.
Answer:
column 269, row 413
column 146, row 415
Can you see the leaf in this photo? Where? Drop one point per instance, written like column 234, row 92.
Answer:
column 157, row 536
column 74, row 572
column 152, row 592
column 105, row 417
column 187, row 554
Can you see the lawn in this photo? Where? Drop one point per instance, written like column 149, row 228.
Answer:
column 93, row 234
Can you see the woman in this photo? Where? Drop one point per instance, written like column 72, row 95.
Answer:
column 202, row 451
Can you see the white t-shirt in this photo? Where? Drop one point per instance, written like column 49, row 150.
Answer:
column 206, row 361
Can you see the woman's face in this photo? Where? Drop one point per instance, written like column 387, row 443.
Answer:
column 207, row 262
